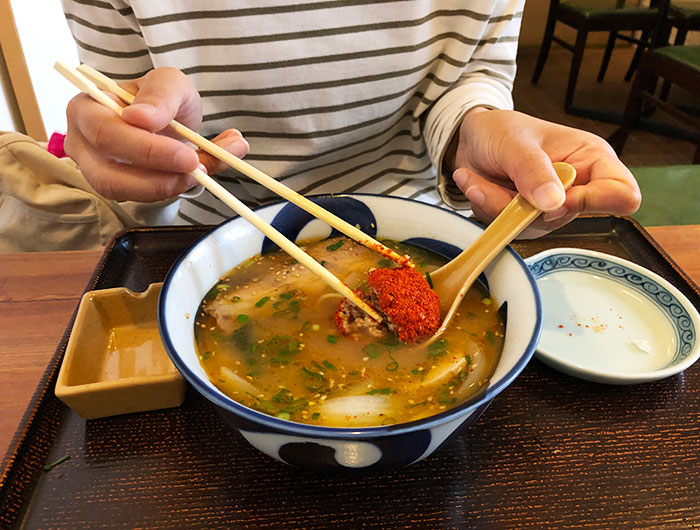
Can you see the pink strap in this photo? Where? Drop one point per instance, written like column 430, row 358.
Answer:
column 56, row 145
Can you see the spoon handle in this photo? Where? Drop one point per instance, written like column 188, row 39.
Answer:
column 514, row 218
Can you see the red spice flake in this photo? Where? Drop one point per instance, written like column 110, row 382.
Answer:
column 407, row 300
column 561, row 325
column 403, row 261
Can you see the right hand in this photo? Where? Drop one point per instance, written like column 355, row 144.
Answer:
column 136, row 158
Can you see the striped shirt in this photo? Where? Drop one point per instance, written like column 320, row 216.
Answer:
column 333, row 96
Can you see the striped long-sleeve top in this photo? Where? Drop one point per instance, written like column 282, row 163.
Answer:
column 333, row 96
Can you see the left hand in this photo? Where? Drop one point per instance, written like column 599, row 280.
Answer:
column 500, row 153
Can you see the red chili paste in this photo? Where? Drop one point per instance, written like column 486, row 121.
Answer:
column 407, row 300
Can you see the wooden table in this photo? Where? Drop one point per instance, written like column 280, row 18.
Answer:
column 40, row 291
column 541, row 457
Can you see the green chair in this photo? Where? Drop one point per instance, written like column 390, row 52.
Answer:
column 670, row 195
column 684, row 16
column 597, row 15
column 678, row 65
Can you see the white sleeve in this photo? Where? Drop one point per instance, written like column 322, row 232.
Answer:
column 486, row 80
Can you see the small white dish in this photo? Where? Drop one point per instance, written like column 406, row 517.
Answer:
column 609, row 320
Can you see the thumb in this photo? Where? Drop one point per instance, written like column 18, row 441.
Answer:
column 536, row 180
column 162, row 95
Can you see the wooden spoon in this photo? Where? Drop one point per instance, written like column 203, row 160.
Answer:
column 452, row 281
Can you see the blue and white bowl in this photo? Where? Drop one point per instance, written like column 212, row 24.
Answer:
column 312, row 447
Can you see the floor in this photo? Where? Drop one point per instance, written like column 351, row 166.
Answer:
column 643, row 149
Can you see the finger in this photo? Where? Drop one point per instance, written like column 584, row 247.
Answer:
column 532, row 172
column 112, row 136
column 162, row 95
column 232, row 141
column 487, row 198
column 603, row 196
column 609, row 187
column 122, row 182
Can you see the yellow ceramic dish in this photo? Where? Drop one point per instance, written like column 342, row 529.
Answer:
column 115, row 362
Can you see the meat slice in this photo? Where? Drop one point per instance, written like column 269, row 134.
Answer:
column 350, row 319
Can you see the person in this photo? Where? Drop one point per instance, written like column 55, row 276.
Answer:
column 406, row 98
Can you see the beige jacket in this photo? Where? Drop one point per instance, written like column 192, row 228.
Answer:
column 46, row 203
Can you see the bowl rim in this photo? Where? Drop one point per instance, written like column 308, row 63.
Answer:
column 607, row 376
column 316, row 431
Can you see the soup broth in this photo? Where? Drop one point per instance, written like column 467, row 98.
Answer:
column 266, row 337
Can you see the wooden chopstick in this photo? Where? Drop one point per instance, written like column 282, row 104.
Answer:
column 270, row 183
column 87, row 86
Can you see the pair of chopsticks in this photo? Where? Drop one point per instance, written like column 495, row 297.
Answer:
column 91, row 82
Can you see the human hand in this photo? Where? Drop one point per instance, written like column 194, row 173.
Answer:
column 136, row 158
column 500, row 153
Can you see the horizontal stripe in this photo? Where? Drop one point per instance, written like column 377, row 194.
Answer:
column 102, row 29
column 491, row 73
column 111, row 53
column 191, row 221
column 118, row 76
column 320, row 182
column 125, row 11
column 330, row 178
column 346, row 81
column 210, row 209
column 311, row 34
column 306, row 111
column 340, row 57
column 393, row 171
column 421, row 192
column 358, row 167
column 302, row 158
column 326, row 132
column 401, row 184
column 259, row 11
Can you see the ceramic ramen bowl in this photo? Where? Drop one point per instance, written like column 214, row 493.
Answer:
column 310, row 446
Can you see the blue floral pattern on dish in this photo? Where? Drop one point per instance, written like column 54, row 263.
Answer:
column 659, row 295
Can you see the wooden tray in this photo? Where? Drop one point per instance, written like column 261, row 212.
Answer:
column 550, row 452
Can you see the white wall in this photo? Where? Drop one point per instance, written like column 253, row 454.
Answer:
column 45, row 39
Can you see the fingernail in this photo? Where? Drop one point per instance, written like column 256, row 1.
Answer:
column 460, row 178
column 237, row 144
column 555, row 214
column 548, row 196
column 475, row 196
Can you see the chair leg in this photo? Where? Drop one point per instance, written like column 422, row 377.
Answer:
column 681, row 35
column 606, row 56
column 575, row 67
column 696, row 156
column 632, row 109
column 644, row 39
column 544, row 48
